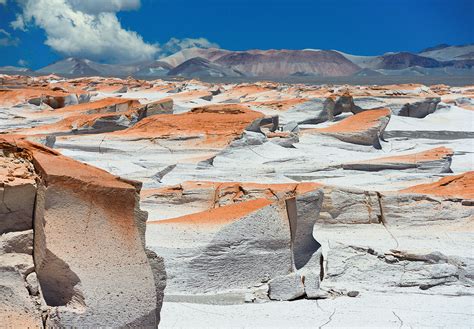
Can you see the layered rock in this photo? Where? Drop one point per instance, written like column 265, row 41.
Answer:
column 437, row 160
column 458, row 186
column 37, row 96
column 364, row 128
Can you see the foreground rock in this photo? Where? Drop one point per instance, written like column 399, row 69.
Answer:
column 88, row 243
column 209, row 258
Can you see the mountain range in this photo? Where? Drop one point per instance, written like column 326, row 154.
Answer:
column 213, row 62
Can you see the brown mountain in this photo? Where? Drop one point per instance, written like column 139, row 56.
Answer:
column 280, row 63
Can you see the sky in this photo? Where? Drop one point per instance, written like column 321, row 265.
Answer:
column 35, row 33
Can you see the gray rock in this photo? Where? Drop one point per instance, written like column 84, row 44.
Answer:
column 17, row 242
column 22, row 263
column 287, row 287
column 17, row 308
column 159, row 273
column 291, row 126
column 32, row 284
column 349, row 206
column 419, row 109
column 16, row 210
column 249, row 138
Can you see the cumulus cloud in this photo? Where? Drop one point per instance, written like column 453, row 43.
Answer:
column 90, row 29
column 6, row 39
column 174, row 45
column 86, row 28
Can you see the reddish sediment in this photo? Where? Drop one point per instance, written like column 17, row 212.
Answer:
column 458, row 186
column 218, row 216
column 356, row 123
column 425, row 156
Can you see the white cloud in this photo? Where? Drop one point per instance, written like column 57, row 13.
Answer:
column 90, row 29
column 7, row 40
column 92, row 33
column 18, row 23
column 22, row 62
column 174, row 45
column 3, row 2
column 100, row 6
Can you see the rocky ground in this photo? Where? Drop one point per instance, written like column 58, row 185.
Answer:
column 271, row 204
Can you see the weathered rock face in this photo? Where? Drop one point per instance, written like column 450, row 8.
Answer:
column 18, row 305
column 162, row 106
column 207, row 252
column 349, row 206
column 397, row 261
column 17, row 193
column 208, row 255
column 88, row 243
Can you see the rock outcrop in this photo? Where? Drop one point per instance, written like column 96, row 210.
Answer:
column 365, row 128
column 419, row 109
column 89, row 254
column 214, row 125
column 19, row 304
column 209, row 258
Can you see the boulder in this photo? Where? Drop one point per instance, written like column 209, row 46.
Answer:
column 90, row 267
column 17, row 308
column 226, row 249
column 246, row 223
column 365, row 128
column 17, row 242
column 286, row 287
column 89, row 243
column 419, row 109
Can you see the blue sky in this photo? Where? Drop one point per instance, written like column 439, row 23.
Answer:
column 365, row 27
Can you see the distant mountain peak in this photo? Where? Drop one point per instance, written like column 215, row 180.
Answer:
column 276, row 63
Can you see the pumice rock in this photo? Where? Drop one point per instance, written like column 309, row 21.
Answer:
column 280, row 195
column 216, row 257
column 221, row 259
column 99, row 216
